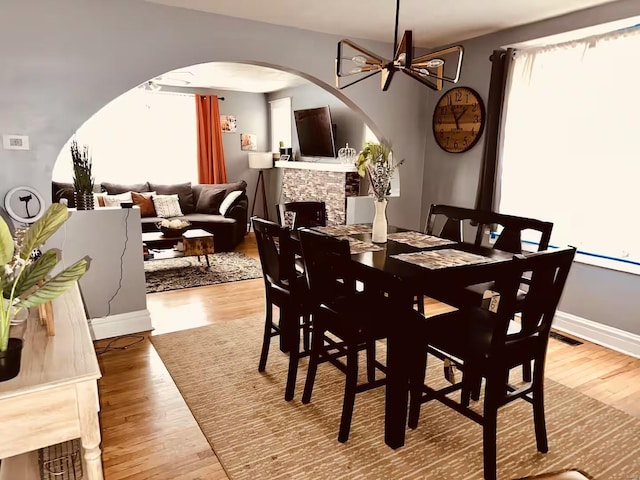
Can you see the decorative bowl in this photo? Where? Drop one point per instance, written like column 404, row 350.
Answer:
column 173, row 232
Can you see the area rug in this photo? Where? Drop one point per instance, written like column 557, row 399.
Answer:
column 257, row 435
column 186, row 272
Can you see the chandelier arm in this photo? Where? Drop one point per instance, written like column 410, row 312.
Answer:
column 439, row 53
column 423, row 80
column 360, row 49
column 395, row 35
column 414, row 73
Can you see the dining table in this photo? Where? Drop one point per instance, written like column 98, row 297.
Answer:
column 412, row 263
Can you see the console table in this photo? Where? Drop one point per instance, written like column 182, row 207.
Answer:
column 55, row 396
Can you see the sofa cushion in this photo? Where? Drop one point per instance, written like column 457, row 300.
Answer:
column 145, row 202
column 229, row 200
column 115, row 188
column 183, row 190
column 116, row 200
column 207, row 218
column 210, row 199
column 63, row 190
column 167, row 206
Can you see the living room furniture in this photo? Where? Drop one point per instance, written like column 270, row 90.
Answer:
column 479, row 338
column 55, row 396
column 305, row 214
column 195, row 243
column 288, row 291
column 199, row 203
column 260, row 161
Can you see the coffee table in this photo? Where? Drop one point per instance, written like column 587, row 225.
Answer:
column 196, row 242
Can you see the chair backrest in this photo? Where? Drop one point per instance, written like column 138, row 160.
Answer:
column 453, row 218
column 326, row 265
column 548, row 271
column 510, row 238
column 304, row 214
column 277, row 255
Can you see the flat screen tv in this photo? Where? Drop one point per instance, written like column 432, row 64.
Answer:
column 315, row 132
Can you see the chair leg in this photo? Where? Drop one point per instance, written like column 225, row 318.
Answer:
column 471, row 386
column 538, row 412
column 416, row 382
column 317, row 345
column 266, row 339
column 294, row 357
column 306, row 333
column 371, row 360
column 350, row 385
column 526, row 371
column 489, row 427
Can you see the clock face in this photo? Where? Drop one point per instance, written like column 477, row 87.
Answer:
column 458, row 119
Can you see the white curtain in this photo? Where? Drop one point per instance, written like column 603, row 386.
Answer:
column 140, row 136
column 571, row 142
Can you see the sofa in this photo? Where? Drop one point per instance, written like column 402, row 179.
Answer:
column 199, row 204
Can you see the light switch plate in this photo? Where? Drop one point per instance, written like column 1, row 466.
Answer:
column 15, row 142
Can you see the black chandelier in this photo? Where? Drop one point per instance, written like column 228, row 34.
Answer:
column 428, row 69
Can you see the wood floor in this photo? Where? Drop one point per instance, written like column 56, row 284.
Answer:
column 148, row 431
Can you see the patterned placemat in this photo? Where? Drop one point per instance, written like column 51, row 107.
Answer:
column 358, row 246
column 339, row 230
column 444, row 258
column 418, row 240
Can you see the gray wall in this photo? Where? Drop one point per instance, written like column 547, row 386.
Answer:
column 69, row 58
column 597, row 294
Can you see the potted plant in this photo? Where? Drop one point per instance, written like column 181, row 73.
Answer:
column 376, row 162
column 25, row 279
column 82, row 176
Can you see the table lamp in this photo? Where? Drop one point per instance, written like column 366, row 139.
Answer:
column 260, row 161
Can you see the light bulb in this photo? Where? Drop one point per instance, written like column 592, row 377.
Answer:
column 424, row 72
column 356, row 70
column 435, row 63
column 359, row 60
column 402, row 58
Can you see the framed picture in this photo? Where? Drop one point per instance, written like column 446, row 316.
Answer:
column 285, row 158
column 24, row 204
column 248, row 141
column 228, row 123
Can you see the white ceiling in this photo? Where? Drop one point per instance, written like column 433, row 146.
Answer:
column 231, row 76
column 434, row 22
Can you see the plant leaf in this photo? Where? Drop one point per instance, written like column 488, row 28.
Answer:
column 43, row 228
column 36, row 271
column 6, row 243
column 56, row 286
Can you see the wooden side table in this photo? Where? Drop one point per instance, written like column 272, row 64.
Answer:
column 197, row 242
column 55, row 396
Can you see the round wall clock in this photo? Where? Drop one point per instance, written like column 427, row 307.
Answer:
column 458, row 119
column 24, row 204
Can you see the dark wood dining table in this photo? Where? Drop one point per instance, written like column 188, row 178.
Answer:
column 402, row 281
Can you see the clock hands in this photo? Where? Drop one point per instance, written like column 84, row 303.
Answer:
column 456, row 118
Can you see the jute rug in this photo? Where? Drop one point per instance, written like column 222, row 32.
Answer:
column 186, row 272
column 257, row 435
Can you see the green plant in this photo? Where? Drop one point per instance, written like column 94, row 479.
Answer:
column 376, row 162
column 281, row 144
column 24, row 277
column 82, row 177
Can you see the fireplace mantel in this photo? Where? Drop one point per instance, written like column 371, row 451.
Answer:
column 319, row 166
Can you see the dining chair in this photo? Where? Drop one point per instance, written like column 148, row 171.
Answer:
column 303, row 214
column 479, row 338
column 357, row 319
column 288, row 291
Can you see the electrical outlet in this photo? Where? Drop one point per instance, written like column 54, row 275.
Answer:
column 15, row 142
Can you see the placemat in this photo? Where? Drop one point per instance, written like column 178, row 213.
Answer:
column 418, row 240
column 339, row 230
column 358, row 246
column 447, row 257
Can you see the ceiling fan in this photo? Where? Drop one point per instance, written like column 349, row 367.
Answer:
column 427, row 69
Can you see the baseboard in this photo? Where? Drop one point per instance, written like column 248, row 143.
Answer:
column 610, row 337
column 120, row 324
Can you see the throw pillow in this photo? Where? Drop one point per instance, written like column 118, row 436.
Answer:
column 145, row 202
column 98, row 199
column 115, row 200
column 184, row 192
column 228, row 201
column 116, row 188
column 209, row 200
column 167, row 206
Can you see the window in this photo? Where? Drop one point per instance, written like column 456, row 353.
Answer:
column 141, row 135
column 280, row 117
column 570, row 152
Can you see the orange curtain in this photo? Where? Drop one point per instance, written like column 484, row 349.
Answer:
column 211, row 164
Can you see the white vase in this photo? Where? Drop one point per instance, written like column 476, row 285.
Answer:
column 379, row 230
